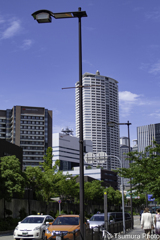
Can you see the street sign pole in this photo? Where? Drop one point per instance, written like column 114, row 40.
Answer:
column 105, row 211
column 59, row 202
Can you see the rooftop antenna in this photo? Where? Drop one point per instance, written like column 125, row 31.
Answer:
column 67, row 131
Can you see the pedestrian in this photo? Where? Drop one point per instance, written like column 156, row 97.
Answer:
column 141, row 213
column 147, row 222
column 157, row 222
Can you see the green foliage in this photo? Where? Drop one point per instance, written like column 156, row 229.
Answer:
column 8, row 224
column 89, row 167
column 47, row 164
column 57, row 214
column 114, row 197
column 136, row 203
column 93, row 191
column 67, row 187
column 51, row 213
column 8, row 212
column 11, row 179
column 144, row 171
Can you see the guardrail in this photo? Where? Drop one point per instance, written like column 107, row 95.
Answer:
column 95, row 233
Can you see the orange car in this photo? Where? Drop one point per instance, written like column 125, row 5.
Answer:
column 64, row 225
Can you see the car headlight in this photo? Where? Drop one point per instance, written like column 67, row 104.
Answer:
column 16, row 228
column 47, row 231
column 59, row 233
column 37, row 228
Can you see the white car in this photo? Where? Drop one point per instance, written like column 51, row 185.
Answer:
column 33, row 226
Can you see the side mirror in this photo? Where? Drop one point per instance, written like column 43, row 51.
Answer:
column 87, row 220
column 19, row 222
column 47, row 223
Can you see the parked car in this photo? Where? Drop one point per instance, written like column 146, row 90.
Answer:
column 118, row 216
column 98, row 219
column 64, row 224
column 33, row 226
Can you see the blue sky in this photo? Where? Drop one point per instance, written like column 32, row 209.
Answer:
column 120, row 38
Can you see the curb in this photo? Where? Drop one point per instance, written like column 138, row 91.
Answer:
column 6, row 232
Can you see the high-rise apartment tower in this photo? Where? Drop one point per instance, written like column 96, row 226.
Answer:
column 30, row 128
column 100, row 106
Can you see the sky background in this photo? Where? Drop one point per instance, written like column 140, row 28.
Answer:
column 120, row 38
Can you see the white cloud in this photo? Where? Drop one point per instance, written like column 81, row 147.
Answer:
column 155, row 15
column 155, row 68
column 87, row 62
column 12, row 30
column 1, row 20
column 127, row 96
column 26, row 44
column 128, row 101
column 156, row 114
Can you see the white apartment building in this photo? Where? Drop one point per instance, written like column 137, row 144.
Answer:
column 100, row 106
column 66, row 149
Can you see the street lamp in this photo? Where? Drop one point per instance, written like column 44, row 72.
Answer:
column 124, row 226
column 112, row 124
column 45, row 16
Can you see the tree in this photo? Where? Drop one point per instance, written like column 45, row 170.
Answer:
column 67, row 187
column 43, row 180
column 33, row 181
column 144, row 171
column 11, row 179
column 114, row 197
column 93, row 192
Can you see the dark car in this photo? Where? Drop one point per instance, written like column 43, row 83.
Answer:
column 118, row 216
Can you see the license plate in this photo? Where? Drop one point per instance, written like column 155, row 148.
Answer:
column 58, row 238
column 24, row 233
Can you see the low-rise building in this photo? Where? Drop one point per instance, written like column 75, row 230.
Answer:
column 9, row 149
column 66, row 149
column 108, row 177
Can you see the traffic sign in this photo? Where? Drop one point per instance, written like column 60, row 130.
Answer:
column 59, row 201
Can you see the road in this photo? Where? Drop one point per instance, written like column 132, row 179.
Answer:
column 6, row 236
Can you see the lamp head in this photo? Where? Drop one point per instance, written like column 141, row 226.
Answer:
column 42, row 16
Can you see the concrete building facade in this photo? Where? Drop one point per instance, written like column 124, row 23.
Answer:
column 108, row 177
column 66, row 149
column 29, row 128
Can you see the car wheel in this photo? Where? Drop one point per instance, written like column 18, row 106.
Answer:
column 43, row 236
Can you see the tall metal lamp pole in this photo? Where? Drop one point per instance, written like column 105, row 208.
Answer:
column 45, row 16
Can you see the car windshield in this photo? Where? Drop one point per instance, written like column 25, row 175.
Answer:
column 33, row 220
column 97, row 218
column 66, row 221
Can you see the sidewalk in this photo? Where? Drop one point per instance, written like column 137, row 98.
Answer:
column 136, row 233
